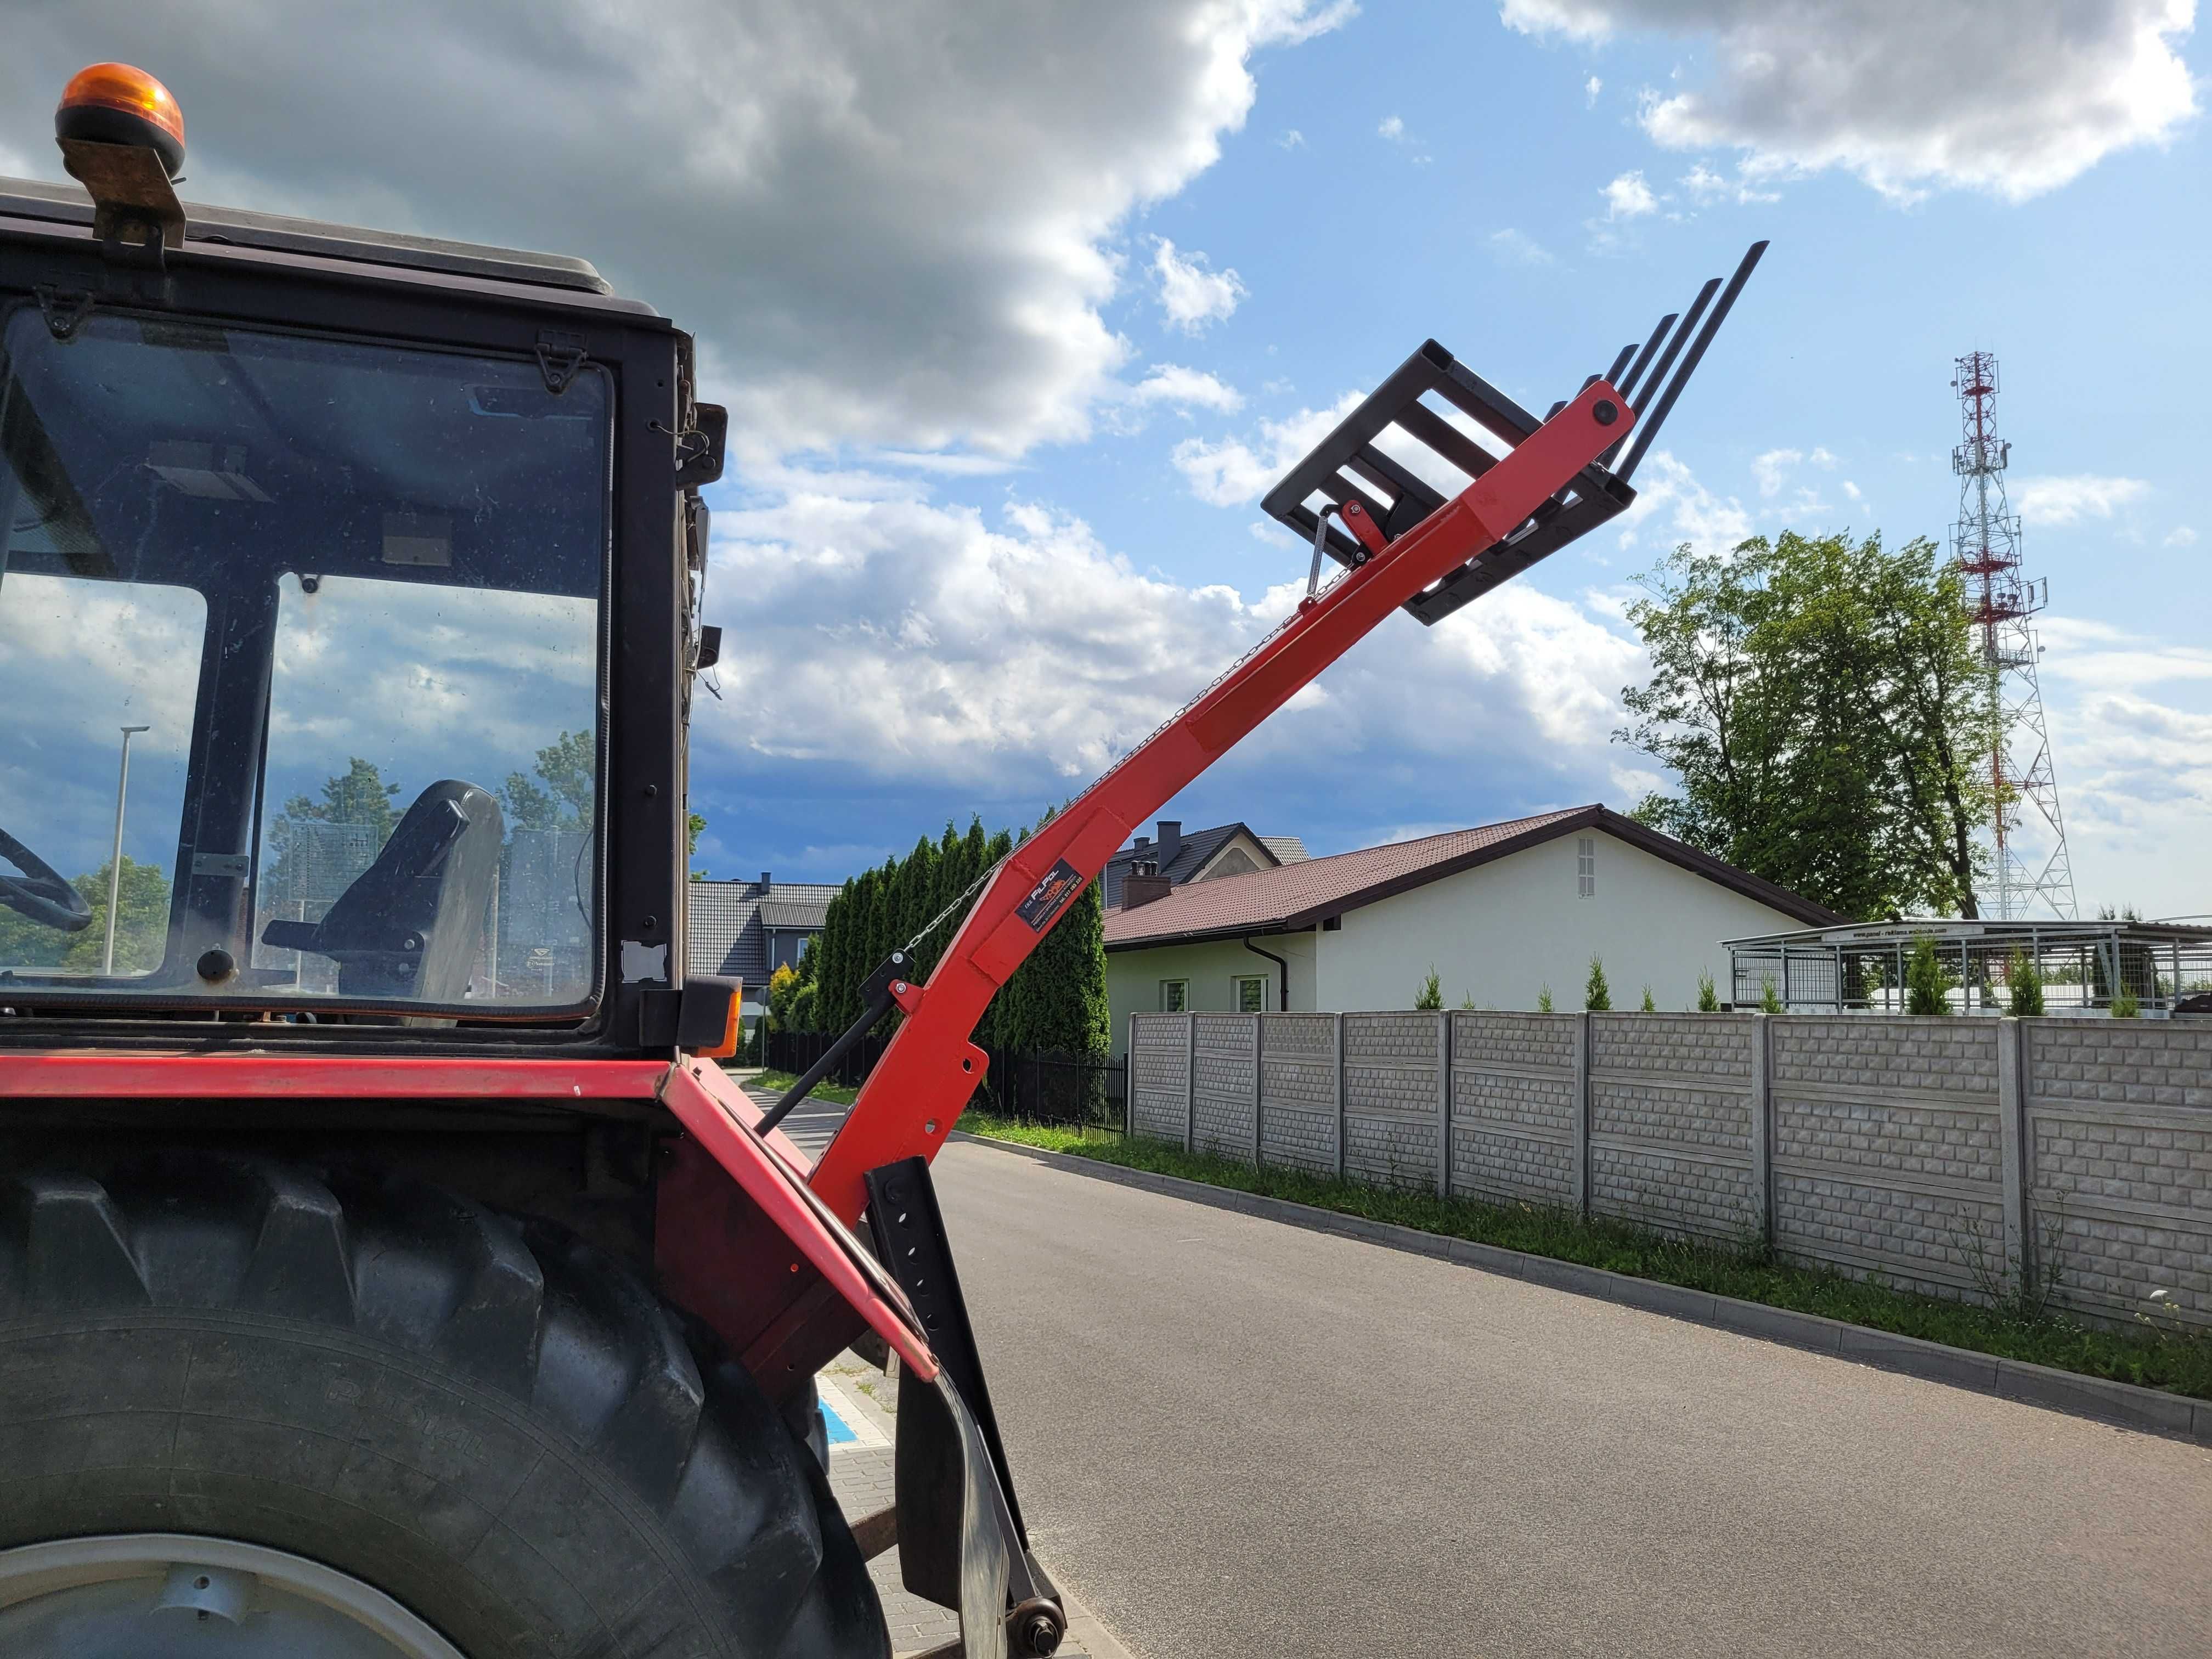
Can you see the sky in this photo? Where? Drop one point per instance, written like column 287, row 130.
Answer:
column 1019, row 307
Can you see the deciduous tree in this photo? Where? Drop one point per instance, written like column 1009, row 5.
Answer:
column 1821, row 704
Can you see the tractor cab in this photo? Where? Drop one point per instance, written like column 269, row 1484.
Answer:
column 349, row 589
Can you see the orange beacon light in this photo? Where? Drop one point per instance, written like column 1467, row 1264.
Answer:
column 116, row 104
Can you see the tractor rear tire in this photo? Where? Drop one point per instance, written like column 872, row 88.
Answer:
column 492, row 1424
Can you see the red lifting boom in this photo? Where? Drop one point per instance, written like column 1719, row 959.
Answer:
column 1549, row 479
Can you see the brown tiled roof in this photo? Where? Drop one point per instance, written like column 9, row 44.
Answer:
column 1299, row 896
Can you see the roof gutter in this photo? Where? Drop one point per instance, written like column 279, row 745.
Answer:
column 1283, row 1001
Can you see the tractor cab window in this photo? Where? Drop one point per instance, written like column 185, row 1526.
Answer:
column 342, row 602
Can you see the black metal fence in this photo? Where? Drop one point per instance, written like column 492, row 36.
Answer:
column 1059, row 1089
column 794, row 1051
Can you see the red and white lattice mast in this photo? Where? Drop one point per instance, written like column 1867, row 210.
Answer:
column 2029, row 863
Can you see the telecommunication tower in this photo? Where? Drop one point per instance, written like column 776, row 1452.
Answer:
column 2030, row 863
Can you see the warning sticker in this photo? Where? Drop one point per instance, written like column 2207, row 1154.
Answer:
column 1049, row 896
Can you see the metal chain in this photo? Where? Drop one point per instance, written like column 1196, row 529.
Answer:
column 967, row 893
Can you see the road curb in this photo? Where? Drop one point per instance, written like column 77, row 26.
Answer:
column 2147, row 1410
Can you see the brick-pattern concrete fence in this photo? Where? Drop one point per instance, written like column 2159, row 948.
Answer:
column 1964, row 1157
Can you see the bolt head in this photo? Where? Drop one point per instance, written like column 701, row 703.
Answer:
column 1604, row 412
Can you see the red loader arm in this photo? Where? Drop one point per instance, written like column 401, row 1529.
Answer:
column 1407, row 547
column 918, row 1089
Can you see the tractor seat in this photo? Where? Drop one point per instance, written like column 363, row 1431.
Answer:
column 409, row 926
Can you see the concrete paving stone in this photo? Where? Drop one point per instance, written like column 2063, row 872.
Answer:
column 1567, row 1276
column 2143, row 1408
column 1910, row 1354
column 1488, row 1257
column 1675, row 1300
column 1777, row 1324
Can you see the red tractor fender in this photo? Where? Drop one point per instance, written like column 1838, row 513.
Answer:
column 740, row 1240
column 743, row 1242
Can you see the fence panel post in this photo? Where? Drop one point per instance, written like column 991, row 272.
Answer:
column 1259, row 1086
column 1582, row 1113
column 2013, row 1147
column 1443, row 1105
column 1341, row 1120
column 1762, row 1124
column 1129, row 1082
column 1190, row 1082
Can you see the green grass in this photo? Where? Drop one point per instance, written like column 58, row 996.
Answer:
column 2153, row 1359
column 777, row 1082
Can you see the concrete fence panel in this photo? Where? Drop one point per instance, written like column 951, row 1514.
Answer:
column 1297, row 1092
column 1671, row 1141
column 1224, row 1083
column 1888, row 1148
column 1513, row 1112
column 2118, row 1152
column 1159, row 1074
column 1390, row 1092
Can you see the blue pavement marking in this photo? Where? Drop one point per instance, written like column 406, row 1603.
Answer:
column 841, row 1432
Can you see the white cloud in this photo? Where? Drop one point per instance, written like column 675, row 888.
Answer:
column 891, row 226
column 2180, row 536
column 1910, row 95
column 1292, row 139
column 917, row 641
column 2099, row 654
column 1171, row 383
column 1629, row 197
column 1667, row 494
column 1706, row 187
column 1516, row 247
column 1771, row 469
column 1591, row 88
column 2048, row 502
column 2134, row 778
column 1231, row 471
column 1393, row 128
column 944, row 462
column 1191, row 293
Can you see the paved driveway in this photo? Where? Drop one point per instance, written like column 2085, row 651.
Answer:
column 1237, row 1438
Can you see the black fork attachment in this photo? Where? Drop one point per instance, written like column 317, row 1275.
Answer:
column 1351, row 465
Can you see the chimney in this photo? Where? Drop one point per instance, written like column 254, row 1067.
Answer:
column 1143, row 884
column 1143, row 841
column 765, row 880
column 1170, row 839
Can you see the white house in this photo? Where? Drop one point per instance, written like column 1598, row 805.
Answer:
column 1500, row 912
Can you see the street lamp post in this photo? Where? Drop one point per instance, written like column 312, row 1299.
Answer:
column 115, row 859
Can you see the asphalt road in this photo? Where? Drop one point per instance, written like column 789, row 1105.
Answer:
column 1236, row 1437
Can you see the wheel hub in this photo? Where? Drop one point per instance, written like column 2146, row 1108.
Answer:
column 136, row 1596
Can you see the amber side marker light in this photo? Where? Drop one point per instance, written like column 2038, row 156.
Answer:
column 116, row 104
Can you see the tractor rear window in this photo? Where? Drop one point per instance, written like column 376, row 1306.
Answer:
column 347, row 597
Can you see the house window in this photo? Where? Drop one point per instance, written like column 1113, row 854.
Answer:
column 1586, row 866
column 1175, row 995
column 1251, row 993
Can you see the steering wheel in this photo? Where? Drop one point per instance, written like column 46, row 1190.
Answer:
column 41, row 892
